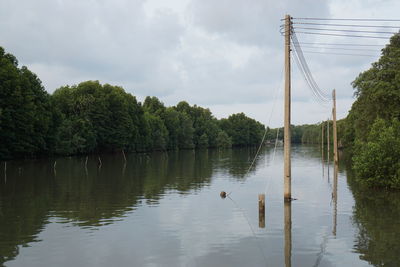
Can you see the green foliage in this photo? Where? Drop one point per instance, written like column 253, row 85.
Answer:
column 91, row 117
column 378, row 93
column 223, row 140
column 377, row 161
column 372, row 126
column 243, row 130
column 25, row 111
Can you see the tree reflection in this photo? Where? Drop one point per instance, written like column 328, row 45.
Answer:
column 377, row 213
column 91, row 196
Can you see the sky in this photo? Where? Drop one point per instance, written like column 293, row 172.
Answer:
column 225, row 55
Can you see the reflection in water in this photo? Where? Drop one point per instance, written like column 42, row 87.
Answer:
column 376, row 214
column 334, row 197
column 288, row 232
column 77, row 190
column 164, row 209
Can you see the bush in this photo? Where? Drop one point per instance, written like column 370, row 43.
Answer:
column 377, row 161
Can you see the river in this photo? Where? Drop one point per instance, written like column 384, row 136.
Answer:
column 165, row 209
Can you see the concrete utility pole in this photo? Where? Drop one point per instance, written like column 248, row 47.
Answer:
column 328, row 144
column 335, row 145
column 322, row 147
column 287, row 141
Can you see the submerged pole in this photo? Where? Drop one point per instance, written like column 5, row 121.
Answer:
column 287, row 137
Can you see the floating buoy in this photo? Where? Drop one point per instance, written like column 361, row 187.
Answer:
column 222, row 194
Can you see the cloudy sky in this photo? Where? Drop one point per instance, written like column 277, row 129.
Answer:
column 226, row 55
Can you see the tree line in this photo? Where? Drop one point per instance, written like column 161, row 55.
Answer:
column 372, row 127
column 92, row 117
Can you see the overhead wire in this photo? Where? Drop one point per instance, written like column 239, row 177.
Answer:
column 306, row 70
column 314, row 94
column 347, row 25
column 344, row 35
column 339, row 48
column 346, row 19
column 342, row 30
column 341, row 44
column 339, row 54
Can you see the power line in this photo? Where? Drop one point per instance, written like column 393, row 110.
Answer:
column 306, row 70
column 347, row 19
column 342, row 54
column 340, row 30
column 345, row 35
column 339, row 48
column 314, row 94
column 347, row 25
column 346, row 44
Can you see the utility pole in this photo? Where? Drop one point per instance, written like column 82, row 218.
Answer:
column 328, row 144
column 287, row 138
column 335, row 145
column 322, row 146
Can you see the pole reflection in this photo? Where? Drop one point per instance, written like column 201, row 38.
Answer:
column 288, row 232
column 334, row 197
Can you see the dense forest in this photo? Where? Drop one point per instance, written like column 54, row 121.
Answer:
column 372, row 127
column 92, row 117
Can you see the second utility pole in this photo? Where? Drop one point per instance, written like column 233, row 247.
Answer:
column 287, row 138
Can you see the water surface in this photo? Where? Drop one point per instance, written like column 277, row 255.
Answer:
column 164, row 209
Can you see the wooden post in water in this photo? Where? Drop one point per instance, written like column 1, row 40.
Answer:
column 100, row 162
column 5, row 171
column 123, row 153
column 261, row 210
column 287, row 138
column 288, row 233
column 335, row 145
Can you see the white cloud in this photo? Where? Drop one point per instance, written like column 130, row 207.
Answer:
column 226, row 55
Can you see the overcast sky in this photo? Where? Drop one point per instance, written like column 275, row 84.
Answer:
column 226, row 55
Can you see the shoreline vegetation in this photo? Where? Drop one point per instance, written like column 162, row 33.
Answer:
column 92, row 118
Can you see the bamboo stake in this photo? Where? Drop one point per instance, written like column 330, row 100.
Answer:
column 100, row 162
column 123, row 153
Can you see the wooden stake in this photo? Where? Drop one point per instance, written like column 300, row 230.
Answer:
column 287, row 138
column 86, row 162
column 123, row 153
column 5, row 171
column 335, row 145
column 100, row 162
column 261, row 210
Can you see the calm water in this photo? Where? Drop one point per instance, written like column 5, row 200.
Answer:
column 164, row 209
